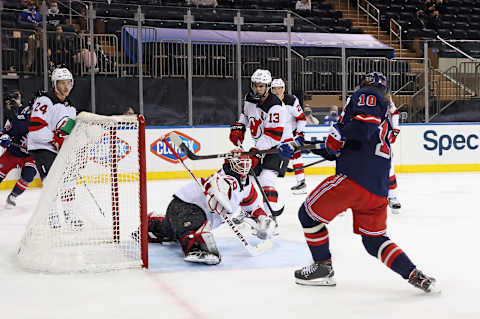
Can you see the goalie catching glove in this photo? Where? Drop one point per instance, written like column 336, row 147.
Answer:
column 218, row 192
column 64, row 128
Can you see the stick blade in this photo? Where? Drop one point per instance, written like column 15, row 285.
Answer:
column 175, row 139
column 261, row 248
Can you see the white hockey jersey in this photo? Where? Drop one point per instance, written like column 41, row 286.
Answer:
column 266, row 121
column 394, row 116
column 296, row 120
column 48, row 114
column 247, row 197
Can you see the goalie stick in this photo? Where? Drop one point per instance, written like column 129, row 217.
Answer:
column 179, row 143
column 253, row 250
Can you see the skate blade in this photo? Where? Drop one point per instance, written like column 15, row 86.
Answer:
column 208, row 261
column 434, row 289
column 327, row 282
column 395, row 211
column 299, row 192
column 9, row 206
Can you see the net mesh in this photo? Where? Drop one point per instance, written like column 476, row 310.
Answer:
column 90, row 203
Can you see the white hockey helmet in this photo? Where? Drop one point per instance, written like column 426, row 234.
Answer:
column 278, row 83
column 61, row 74
column 262, row 76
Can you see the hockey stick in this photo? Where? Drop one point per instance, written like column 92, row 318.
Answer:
column 305, row 166
column 91, row 194
column 253, row 250
column 179, row 143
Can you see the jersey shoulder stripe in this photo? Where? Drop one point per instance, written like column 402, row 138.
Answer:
column 367, row 118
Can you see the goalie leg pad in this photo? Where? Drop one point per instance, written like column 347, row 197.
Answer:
column 184, row 218
column 200, row 246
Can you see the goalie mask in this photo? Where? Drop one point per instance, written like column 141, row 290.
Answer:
column 260, row 83
column 241, row 165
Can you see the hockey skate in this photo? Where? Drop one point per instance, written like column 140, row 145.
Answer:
column 394, row 205
column 422, row 281
column 10, row 202
column 197, row 255
column 320, row 273
column 300, row 188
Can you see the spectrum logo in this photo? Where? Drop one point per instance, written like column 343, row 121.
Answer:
column 101, row 152
column 160, row 149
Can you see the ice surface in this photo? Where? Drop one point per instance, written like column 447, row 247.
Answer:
column 437, row 227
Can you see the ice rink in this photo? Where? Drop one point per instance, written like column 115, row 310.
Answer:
column 438, row 228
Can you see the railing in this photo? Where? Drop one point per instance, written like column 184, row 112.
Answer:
column 396, row 32
column 105, row 55
column 371, row 11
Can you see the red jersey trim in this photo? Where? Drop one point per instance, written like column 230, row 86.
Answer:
column 36, row 123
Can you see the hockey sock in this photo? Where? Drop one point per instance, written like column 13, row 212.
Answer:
column 272, row 194
column 392, row 182
column 389, row 253
column 316, row 235
column 26, row 177
column 299, row 175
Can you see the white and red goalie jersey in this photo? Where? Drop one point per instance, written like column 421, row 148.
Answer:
column 246, row 197
column 296, row 120
column 266, row 121
column 48, row 116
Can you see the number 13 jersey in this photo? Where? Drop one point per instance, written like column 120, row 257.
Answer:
column 266, row 120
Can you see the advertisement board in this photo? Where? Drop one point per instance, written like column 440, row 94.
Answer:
column 446, row 147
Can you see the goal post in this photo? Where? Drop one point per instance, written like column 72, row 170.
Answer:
column 92, row 212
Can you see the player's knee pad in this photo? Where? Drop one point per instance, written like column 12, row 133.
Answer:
column 373, row 244
column 28, row 174
column 305, row 219
column 201, row 239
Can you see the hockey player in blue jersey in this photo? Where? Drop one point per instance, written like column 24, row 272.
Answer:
column 13, row 138
column 359, row 144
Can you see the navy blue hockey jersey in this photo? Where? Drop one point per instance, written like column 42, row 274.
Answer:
column 365, row 157
column 17, row 129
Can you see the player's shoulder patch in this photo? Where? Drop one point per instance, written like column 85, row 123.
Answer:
column 271, row 101
column 289, row 99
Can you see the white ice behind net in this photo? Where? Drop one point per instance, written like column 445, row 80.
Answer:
column 90, row 203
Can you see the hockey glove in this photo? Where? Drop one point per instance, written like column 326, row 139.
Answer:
column 218, row 193
column 266, row 227
column 393, row 135
column 5, row 140
column 61, row 132
column 335, row 140
column 286, row 149
column 237, row 133
column 255, row 158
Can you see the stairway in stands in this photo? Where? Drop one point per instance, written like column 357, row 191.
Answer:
column 441, row 84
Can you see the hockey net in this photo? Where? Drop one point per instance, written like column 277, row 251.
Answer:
column 93, row 201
